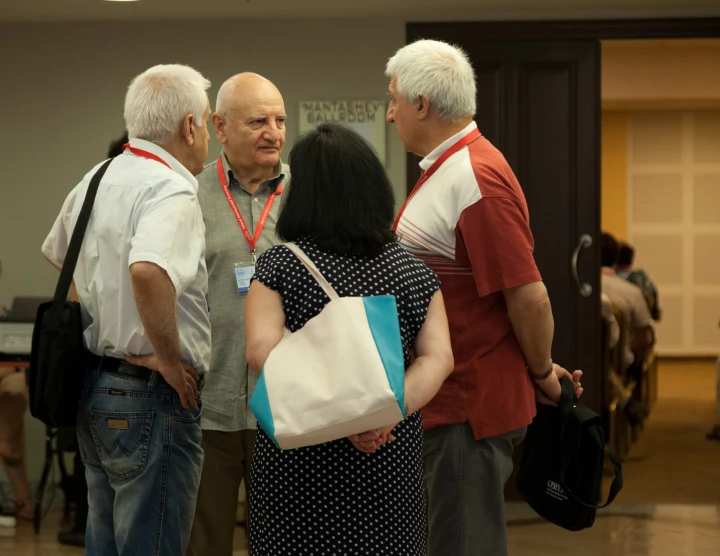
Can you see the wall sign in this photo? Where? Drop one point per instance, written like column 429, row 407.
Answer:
column 367, row 117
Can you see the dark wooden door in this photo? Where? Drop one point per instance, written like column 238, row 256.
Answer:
column 539, row 103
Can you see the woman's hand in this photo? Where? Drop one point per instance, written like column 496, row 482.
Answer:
column 371, row 441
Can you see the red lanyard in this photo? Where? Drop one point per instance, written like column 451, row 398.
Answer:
column 145, row 154
column 465, row 141
column 252, row 241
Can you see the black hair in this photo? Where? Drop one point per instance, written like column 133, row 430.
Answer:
column 626, row 254
column 339, row 194
column 116, row 147
column 608, row 250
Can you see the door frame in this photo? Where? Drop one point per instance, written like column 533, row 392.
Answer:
column 486, row 31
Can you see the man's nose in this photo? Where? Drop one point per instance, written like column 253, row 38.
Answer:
column 272, row 133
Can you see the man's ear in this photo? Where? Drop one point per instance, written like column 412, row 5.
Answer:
column 219, row 123
column 188, row 130
column 422, row 105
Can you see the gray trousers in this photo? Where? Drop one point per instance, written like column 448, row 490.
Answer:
column 465, row 480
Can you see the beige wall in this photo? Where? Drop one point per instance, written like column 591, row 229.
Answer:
column 63, row 87
column 660, row 74
column 648, row 75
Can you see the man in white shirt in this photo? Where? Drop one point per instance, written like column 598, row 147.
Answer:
column 142, row 284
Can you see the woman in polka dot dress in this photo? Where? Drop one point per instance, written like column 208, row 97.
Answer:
column 361, row 495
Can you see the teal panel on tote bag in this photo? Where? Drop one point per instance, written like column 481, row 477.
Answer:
column 384, row 324
column 260, row 406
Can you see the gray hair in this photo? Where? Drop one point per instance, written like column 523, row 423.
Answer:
column 159, row 99
column 440, row 71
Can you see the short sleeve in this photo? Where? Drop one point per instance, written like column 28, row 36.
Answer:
column 496, row 234
column 169, row 232
column 267, row 268
column 57, row 242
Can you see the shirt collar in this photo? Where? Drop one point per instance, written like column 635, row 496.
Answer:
column 271, row 184
column 428, row 161
column 167, row 157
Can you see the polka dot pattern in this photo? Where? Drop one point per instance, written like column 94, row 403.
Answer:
column 332, row 498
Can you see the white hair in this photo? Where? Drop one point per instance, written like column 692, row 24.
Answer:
column 440, row 71
column 159, row 99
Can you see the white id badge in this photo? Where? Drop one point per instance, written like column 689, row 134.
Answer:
column 243, row 275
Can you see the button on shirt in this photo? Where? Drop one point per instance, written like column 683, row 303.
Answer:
column 227, row 391
column 143, row 212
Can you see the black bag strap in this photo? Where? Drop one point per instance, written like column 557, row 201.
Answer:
column 617, row 483
column 615, row 487
column 565, row 405
column 567, row 399
column 73, row 252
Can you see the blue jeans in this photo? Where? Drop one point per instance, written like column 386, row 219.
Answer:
column 143, row 461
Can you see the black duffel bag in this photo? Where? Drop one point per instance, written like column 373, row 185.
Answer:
column 58, row 359
column 560, row 474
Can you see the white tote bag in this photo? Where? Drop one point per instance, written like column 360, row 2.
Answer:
column 342, row 373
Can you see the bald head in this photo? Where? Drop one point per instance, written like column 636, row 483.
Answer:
column 250, row 124
column 243, row 89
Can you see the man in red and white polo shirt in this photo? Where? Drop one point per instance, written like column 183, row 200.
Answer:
column 468, row 220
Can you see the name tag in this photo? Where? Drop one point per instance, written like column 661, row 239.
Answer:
column 243, row 275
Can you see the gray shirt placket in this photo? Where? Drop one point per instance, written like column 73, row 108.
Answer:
column 231, row 382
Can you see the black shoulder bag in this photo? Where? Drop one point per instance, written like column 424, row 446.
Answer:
column 59, row 360
column 560, row 475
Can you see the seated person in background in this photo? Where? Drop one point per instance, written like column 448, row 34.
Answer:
column 639, row 277
column 633, row 410
column 608, row 314
column 116, row 147
column 13, row 402
column 630, row 300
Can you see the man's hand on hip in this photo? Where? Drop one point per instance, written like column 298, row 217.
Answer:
column 181, row 376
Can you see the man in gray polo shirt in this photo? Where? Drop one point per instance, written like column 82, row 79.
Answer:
column 238, row 196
